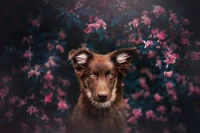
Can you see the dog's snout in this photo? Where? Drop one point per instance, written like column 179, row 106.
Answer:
column 102, row 95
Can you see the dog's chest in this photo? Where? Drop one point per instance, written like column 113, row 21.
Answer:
column 100, row 122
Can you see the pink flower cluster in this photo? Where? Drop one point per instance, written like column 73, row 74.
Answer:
column 173, row 17
column 158, row 10
column 134, row 23
column 97, row 26
column 136, row 114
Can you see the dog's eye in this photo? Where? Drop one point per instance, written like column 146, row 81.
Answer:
column 92, row 75
column 110, row 75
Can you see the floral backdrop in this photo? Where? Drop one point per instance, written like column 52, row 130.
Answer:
column 38, row 87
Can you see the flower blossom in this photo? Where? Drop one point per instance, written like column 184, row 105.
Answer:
column 60, row 48
column 173, row 17
column 168, row 74
column 48, row 98
column 148, row 43
column 158, row 10
column 150, row 114
column 48, row 76
column 50, row 62
column 28, row 54
column 161, row 109
column 32, row 110
column 135, row 22
column 99, row 24
column 62, row 105
column 137, row 112
column 157, row 97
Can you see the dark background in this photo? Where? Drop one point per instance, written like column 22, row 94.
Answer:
column 9, row 35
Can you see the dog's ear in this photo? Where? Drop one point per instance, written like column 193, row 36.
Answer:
column 80, row 58
column 122, row 58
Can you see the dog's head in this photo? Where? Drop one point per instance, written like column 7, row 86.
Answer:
column 100, row 75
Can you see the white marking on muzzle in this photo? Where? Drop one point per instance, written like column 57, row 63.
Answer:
column 103, row 104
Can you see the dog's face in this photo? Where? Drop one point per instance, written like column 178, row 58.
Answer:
column 99, row 74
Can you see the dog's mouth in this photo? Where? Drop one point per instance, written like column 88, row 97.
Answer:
column 101, row 99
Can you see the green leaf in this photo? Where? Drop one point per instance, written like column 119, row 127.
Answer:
column 116, row 20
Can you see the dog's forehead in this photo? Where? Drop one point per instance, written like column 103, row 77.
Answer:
column 101, row 62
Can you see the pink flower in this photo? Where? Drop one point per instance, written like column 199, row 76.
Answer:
column 171, row 59
column 176, row 109
column 48, row 76
column 146, row 20
column 161, row 35
column 186, row 21
column 151, row 54
column 185, row 41
column 22, row 103
column 47, row 126
column 157, row 97
column 158, row 63
column 48, row 98
column 181, row 128
column 28, row 54
column 9, row 115
column 62, row 105
column 197, row 79
column 44, row 117
column 150, row 114
column 143, row 84
column 5, row 80
column 165, row 130
column 136, row 95
column 137, row 113
column 33, row 72
column 26, row 40
column 122, row 6
column 161, row 109
column 168, row 74
column 35, row 23
column 78, row 5
column 4, row 92
column 13, row 99
column 191, row 88
column 126, row 103
column 25, row 68
column 58, row 120
column 60, row 48
column 37, row 129
column 144, row 13
column 147, row 94
column 99, row 24
column 169, row 85
column 158, row 10
column 61, row 93
column 128, row 129
column 148, row 43
column 62, row 35
column 173, row 17
column 162, row 119
column 180, row 78
column 50, row 62
column 32, row 110
column 154, row 31
column 132, row 120
column 135, row 22
column 50, row 46
column 195, row 55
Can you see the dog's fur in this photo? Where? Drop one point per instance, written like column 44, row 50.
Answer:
column 100, row 107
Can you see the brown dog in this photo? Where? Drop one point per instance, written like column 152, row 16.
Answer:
column 100, row 107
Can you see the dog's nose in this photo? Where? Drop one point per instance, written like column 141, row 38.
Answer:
column 102, row 95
